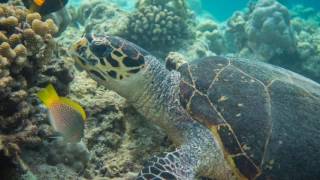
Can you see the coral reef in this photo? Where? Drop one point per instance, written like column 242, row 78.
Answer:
column 262, row 32
column 115, row 136
column 26, row 48
column 305, row 12
column 100, row 17
column 159, row 25
column 308, row 48
column 118, row 139
column 212, row 35
column 268, row 30
column 21, row 50
column 235, row 33
column 75, row 156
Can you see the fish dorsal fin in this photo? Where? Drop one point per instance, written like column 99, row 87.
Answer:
column 75, row 106
column 48, row 95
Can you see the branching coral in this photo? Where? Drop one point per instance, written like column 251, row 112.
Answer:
column 159, row 24
column 26, row 45
column 21, row 49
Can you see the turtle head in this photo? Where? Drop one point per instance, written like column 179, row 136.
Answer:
column 109, row 60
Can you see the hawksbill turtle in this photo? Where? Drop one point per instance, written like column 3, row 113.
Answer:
column 229, row 118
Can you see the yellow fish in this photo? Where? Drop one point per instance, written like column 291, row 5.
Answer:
column 66, row 116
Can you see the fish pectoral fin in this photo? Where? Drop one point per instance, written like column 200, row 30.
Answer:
column 75, row 106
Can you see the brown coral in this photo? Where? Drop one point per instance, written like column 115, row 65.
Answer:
column 3, row 37
column 26, row 44
column 9, row 21
column 40, row 27
column 33, row 16
column 15, row 39
column 6, row 51
column 52, row 26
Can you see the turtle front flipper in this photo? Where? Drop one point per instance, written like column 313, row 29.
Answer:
column 174, row 165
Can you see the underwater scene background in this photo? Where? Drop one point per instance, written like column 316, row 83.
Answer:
column 35, row 50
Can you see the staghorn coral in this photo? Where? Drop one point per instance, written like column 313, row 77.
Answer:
column 159, row 25
column 26, row 48
column 268, row 30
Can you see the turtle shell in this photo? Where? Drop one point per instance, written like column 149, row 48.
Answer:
column 266, row 118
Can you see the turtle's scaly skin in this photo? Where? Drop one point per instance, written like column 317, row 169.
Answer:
column 112, row 57
column 229, row 118
column 266, row 118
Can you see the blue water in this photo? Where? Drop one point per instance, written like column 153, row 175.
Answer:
column 221, row 10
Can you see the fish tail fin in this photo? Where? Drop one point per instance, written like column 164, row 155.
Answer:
column 48, row 95
column 75, row 106
column 35, row 5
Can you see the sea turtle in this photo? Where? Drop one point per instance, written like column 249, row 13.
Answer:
column 230, row 118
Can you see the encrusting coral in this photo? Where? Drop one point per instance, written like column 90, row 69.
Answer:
column 26, row 46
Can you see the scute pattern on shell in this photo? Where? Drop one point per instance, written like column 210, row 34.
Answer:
column 249, row 106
